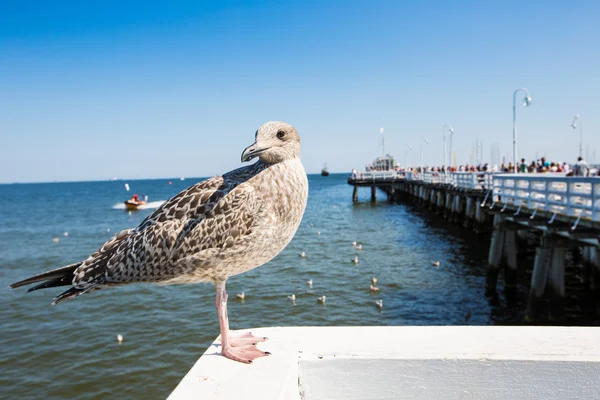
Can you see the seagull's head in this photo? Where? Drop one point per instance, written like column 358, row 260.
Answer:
column 275, row 142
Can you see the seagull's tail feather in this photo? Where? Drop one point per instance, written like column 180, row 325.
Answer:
column 68, row 295
column 57, row 277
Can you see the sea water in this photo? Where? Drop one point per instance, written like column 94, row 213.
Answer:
column 71, row 350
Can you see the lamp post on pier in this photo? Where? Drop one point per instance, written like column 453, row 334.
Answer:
column 526, row 103
column 450, row 130
column 426, row 142
column 576, row 119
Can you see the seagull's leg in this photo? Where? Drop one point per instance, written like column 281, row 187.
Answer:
column 240, row 351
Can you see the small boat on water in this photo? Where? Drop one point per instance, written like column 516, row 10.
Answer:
column 324, row 171
column 133, row 203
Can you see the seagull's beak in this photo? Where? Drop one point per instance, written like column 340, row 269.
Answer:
column 252, row 151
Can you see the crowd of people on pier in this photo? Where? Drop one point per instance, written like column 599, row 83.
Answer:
column 542, row 165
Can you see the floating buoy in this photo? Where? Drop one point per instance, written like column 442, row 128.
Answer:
column 170, row 183
column 107, row 229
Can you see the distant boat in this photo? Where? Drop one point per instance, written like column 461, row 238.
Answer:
column 324, row 171
column 134, row 202
column 131, row 205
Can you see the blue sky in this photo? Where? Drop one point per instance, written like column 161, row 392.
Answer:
column 167, row 89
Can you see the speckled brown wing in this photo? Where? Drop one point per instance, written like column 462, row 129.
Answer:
column 197, row 219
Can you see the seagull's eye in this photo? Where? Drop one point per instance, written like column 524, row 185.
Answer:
column 280, row 134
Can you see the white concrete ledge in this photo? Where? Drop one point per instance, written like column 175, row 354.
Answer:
column 296, row 349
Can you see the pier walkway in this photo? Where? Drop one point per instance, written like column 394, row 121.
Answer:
column 435, row 362
column 564, row 213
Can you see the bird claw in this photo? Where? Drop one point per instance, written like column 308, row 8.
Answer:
column 244, row 354
column 246, row 339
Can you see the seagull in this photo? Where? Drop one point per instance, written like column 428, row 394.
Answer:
column 355, row 260
column 358, row 247
column 435, row 263
column 292, row 297
column 302, row 254
column 318, row 232
column 354, row 244
column 241, row 296
column 379, row 304
column 309, row 282
column 217, row 228
column 373, row 288
column 321, row 299
column 56, row 239
column 374, row 281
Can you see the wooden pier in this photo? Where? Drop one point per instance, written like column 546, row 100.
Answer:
column 563, row 213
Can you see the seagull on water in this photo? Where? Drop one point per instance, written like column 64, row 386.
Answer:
column 215, row 229
column 302, row 254
column 374, row 281
column 322, row 299
column 309, row 282
column 379, row 304
column 373, row 288
column 292, row 297
column 240, row 296
column 435, row 263
column 358, row 247
column 355, row 260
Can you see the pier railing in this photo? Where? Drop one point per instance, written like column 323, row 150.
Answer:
column 572, row 196
column 377, row 176
column 461, row 180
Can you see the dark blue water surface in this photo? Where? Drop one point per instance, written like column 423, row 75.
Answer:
column 71, row 350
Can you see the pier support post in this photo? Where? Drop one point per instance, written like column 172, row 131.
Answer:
column 510, row 260
column 458, row 207
column 355, row 194
column 495, row 255
column 448, row 205
column 469, row 212
column 548, row 273
column 539, row 278
column 432, row 199
column 440, row 202
column 373, row 194
column 592, row 259
column 391, row 194
column 480, row 217
column 556, row 284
